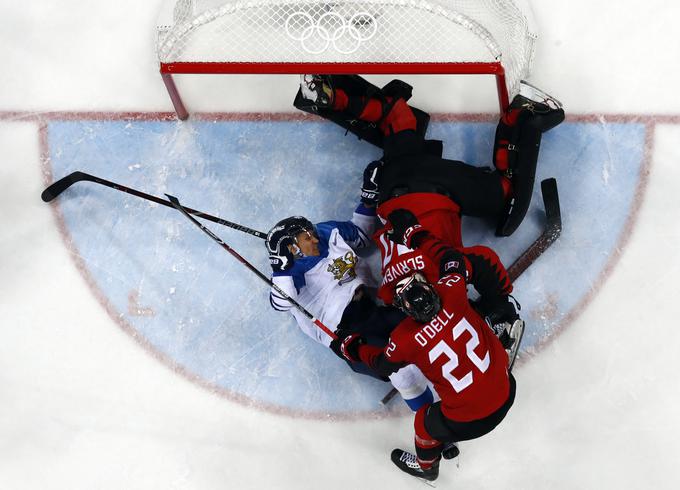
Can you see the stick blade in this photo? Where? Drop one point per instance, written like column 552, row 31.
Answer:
column 551, row 202
column 551, row 231
column 173, row 200
column 389, row 396
column 56, row 188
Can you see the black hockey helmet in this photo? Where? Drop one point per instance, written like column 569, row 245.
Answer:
column 285, row 232
column 417, row 298
column 294, row 225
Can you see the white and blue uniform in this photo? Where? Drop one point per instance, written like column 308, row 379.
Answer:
column 326, row 284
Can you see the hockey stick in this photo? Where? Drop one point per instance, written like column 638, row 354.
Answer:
column 56, row 188
column 174, row 202
column 551, row 231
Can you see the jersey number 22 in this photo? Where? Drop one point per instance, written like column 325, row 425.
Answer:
column 442, row 348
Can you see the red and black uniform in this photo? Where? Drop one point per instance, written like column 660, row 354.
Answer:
column 457, row 351
column 436, row 190
column 441, row 217
column 411, row 165
column 414, row 164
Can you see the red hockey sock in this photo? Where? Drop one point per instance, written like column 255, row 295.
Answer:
column 428, row 449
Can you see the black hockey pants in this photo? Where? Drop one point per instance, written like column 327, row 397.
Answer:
column 415, row 165
column 372, row 321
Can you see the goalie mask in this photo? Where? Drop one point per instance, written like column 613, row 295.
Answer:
column 417, row 298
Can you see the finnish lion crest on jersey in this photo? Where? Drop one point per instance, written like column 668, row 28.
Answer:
column 343, row 268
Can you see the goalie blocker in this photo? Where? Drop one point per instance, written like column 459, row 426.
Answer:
column 414, row 164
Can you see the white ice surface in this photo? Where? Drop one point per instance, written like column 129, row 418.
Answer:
column 83, row 406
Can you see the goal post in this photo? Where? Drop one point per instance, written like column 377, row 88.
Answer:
column 368, row 37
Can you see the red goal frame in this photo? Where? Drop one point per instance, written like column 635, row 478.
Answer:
column 167, row 71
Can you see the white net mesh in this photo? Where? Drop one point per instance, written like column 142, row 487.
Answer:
column 348, row 31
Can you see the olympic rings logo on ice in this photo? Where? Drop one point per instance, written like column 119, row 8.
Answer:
column 346, row 35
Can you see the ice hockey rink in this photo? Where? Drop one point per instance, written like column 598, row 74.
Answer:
column 127, row 359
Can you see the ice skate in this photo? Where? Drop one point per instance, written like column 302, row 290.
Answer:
column 541, row 99
column 546, row 111
column 317, row 90
column 408, row 463
column 511, row 338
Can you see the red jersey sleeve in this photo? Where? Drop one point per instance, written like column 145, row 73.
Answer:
column 484, row 269
column 390, row 359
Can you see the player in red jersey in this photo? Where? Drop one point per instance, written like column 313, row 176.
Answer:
column 413, row 175
column 414, row 166
column 449, row 341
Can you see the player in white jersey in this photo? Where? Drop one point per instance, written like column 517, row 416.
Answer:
column 317, row 266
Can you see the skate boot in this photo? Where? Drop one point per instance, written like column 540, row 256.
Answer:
column 450, row 450
column 317, row 90
column 510, row 335
column 545, row 110
column 408, row 463
column 511, row 338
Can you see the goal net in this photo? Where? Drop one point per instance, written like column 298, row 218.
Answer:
column 491, row 37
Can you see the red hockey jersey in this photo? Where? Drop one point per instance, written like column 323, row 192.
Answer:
column 436, row 213
column 456, row 351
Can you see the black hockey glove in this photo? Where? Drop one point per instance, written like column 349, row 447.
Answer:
column 498, row 312
column 453, row 262
column 369, row 190
column 280, row 257
column 405, row 227
column 346, row 346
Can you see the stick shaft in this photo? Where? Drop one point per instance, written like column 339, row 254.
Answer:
column 175, row 203
column 56, row 188
column 553, row 228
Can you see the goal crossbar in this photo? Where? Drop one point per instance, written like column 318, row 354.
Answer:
column 169, row 69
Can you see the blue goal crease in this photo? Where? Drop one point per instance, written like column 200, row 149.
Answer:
column 200, row 307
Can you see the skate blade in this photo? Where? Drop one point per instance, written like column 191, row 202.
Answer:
column 534, row 93
column 431, row 484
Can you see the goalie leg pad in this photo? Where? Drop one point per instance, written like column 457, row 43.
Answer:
column 354, row 85
column 522, row 177
column 505, row 142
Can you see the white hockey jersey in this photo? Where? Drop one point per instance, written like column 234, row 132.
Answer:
column 325, row 285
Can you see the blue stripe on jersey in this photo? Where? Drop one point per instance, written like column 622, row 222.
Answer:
column 348, row 230
column 426, row 397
